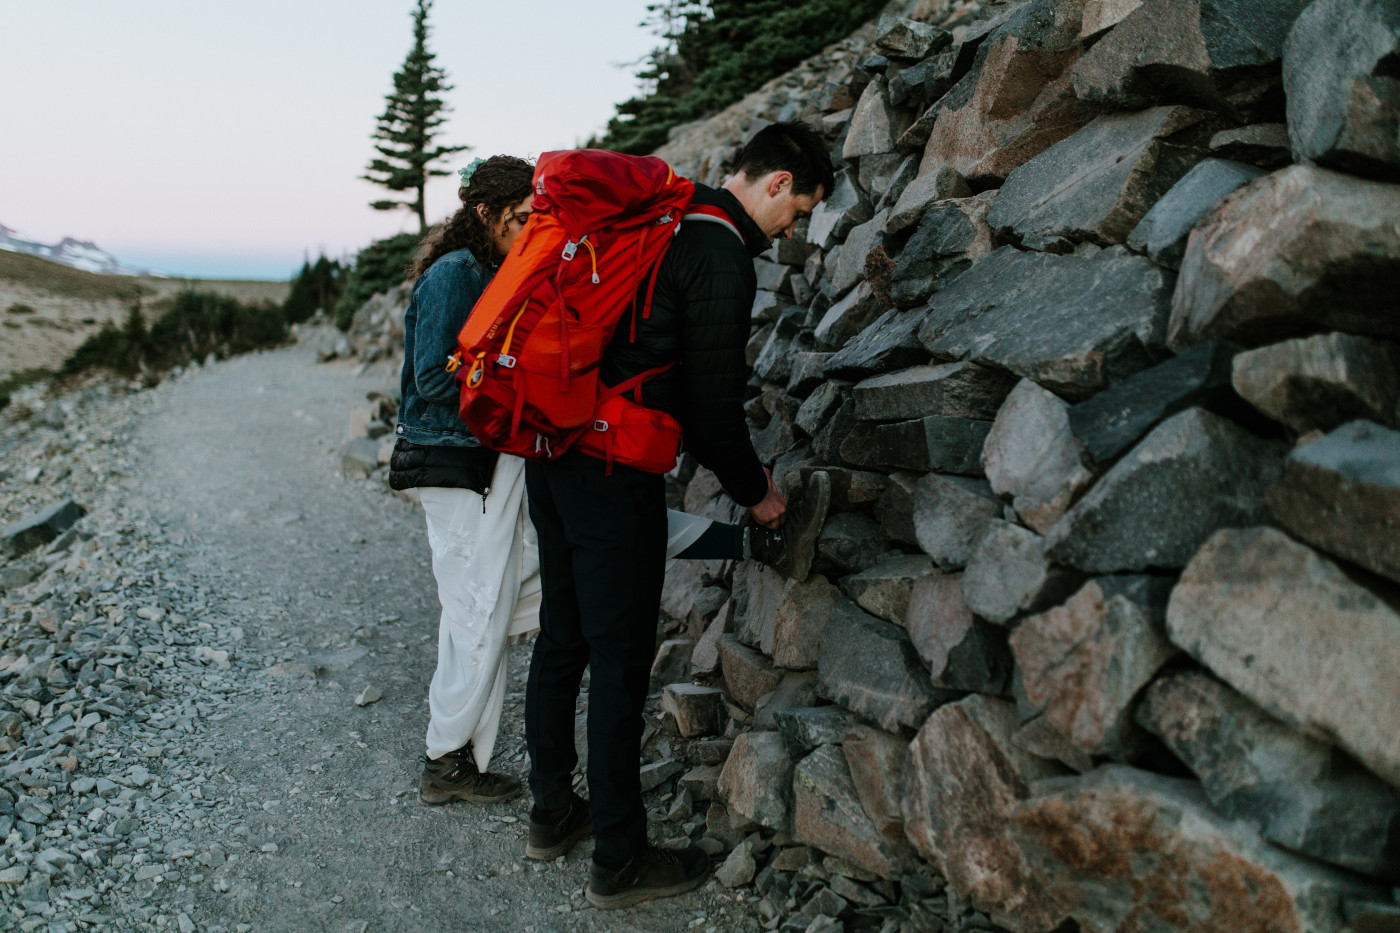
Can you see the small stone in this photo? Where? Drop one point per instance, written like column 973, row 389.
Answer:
column 738, row 869
column 1342, row 494
column 1032, row 455
column 697, row 709
column 659, row 772
column 950, row 514
column 1010, row 573
column 748, row 675
column 925, row 190
column 804, row 728
column 883, row 590
column 672, row 661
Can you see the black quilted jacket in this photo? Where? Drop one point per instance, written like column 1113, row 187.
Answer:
column 700, row 318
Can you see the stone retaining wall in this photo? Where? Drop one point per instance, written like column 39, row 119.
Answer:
column 1096, row 338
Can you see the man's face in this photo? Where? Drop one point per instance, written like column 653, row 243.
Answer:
column 779, row 209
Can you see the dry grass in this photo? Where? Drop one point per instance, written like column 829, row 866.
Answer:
column 68, row 305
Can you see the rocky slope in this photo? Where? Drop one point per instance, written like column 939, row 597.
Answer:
column 1096, row 338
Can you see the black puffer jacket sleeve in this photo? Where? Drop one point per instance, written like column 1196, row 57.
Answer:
column 718, row 287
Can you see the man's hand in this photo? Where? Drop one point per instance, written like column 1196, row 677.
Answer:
column 772, row 508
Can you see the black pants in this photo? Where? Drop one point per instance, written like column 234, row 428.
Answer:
column 602, row 543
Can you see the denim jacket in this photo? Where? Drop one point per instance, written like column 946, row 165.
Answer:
column 442, row 297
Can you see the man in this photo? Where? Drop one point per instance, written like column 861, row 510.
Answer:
column 602, row 537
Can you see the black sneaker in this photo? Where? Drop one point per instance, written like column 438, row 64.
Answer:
column 551, row 837
column 791, row 549
column 455, row 776
column 654, row 873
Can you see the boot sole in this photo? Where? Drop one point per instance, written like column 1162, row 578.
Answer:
column 628, row 898
column 562, row 847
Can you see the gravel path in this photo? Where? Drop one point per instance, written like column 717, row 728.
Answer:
column 185, row 751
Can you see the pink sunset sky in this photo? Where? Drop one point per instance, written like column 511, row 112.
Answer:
column 226, row 140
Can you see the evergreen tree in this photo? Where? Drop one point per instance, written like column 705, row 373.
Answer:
column 716, row 51
column 408, row 128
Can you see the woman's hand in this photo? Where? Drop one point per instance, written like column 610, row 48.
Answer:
column 771, row 510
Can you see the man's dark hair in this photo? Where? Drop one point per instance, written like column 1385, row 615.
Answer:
column 789, row 147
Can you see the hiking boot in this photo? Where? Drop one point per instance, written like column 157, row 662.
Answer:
column 653, row 873
column 455, row 776
column 791, row 549
column 553, row 835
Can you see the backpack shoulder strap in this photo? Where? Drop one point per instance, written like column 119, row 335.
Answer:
column 713, row 215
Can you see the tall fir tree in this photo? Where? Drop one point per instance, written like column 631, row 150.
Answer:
column 408, row 129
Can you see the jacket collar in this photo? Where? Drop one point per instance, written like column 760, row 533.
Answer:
column 755, row 239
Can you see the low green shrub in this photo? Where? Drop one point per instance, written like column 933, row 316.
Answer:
column 316, row 288
column 378, row 268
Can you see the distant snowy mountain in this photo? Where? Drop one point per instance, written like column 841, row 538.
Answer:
column 80, row 254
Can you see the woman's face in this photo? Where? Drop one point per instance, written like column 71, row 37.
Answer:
column 506, row 227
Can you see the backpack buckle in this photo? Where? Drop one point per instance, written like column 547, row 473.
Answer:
column 506, row 360
column 570, row 248
column 664, row 219
column 600, row 425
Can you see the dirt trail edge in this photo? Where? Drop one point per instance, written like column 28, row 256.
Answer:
column 330, row 583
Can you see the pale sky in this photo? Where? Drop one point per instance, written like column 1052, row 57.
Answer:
column 226, row 140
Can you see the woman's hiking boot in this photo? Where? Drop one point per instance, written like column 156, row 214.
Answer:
column 653, row 873
column 554, row 834
column 455, row 776
column 791, row 548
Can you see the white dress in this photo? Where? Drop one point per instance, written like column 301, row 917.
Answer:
column 487, row 567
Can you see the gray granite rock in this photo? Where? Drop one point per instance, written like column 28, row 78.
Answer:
column 849, row 543
column 846, row 206
column 1343, row 92
column 961, row 651
column 1162, row 232
column 891, row 342
column 1301, row 250
column 1033, row 457
column 756, row 782
column 1220, row 54
column 42, row 527
column 936, row 443
column 805, row 728
column 1117, row 418
column 1290, row 787
column 847, row 318
column 1322, row 382
column 922, row 193
column 1342, row 494
column 827, row 814
column 1072, row 324
column 1083, row 663
column 870, row 667
column 951, row 235
column 898, row 37
column 876, row 126
column 1264, row 145
column 1096, row 185
column 849, row 267
column 959, row 390
column 884, row 589
column 1010, row 573
column 950, row 514
column 1248, row 606
column 1204, row 471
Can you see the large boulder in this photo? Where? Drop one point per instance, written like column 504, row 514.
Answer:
column 1096, row 185
column 1117, row 418
column 1016, row 101
column 876, row 760
column 827, row 813
column 1009, row 573
column 1129, row 850
column 951, row 235
column 961, row 390
column 1289, row 786
column 964, row 780
column 1072, row 324
column 1201, row 470
column 1033, row 457
column 849, row 267
column 1343, row 92
column 950, row 514
column 1163, row 231
column 1248, row 607
column 962, row 652
column 1301, row 250
column 875, row 126
column 1342, row 494
column 1210, row 53
column 891, row 342
column 1083, row 663
column 937, row 442
column 1322, row 382
column 756, row 782
column 870, row 667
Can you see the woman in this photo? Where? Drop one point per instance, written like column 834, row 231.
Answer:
column 484, row 555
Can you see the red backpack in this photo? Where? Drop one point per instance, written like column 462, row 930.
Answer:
column 530, row 350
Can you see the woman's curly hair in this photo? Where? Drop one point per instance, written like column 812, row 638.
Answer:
column 499, row 182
